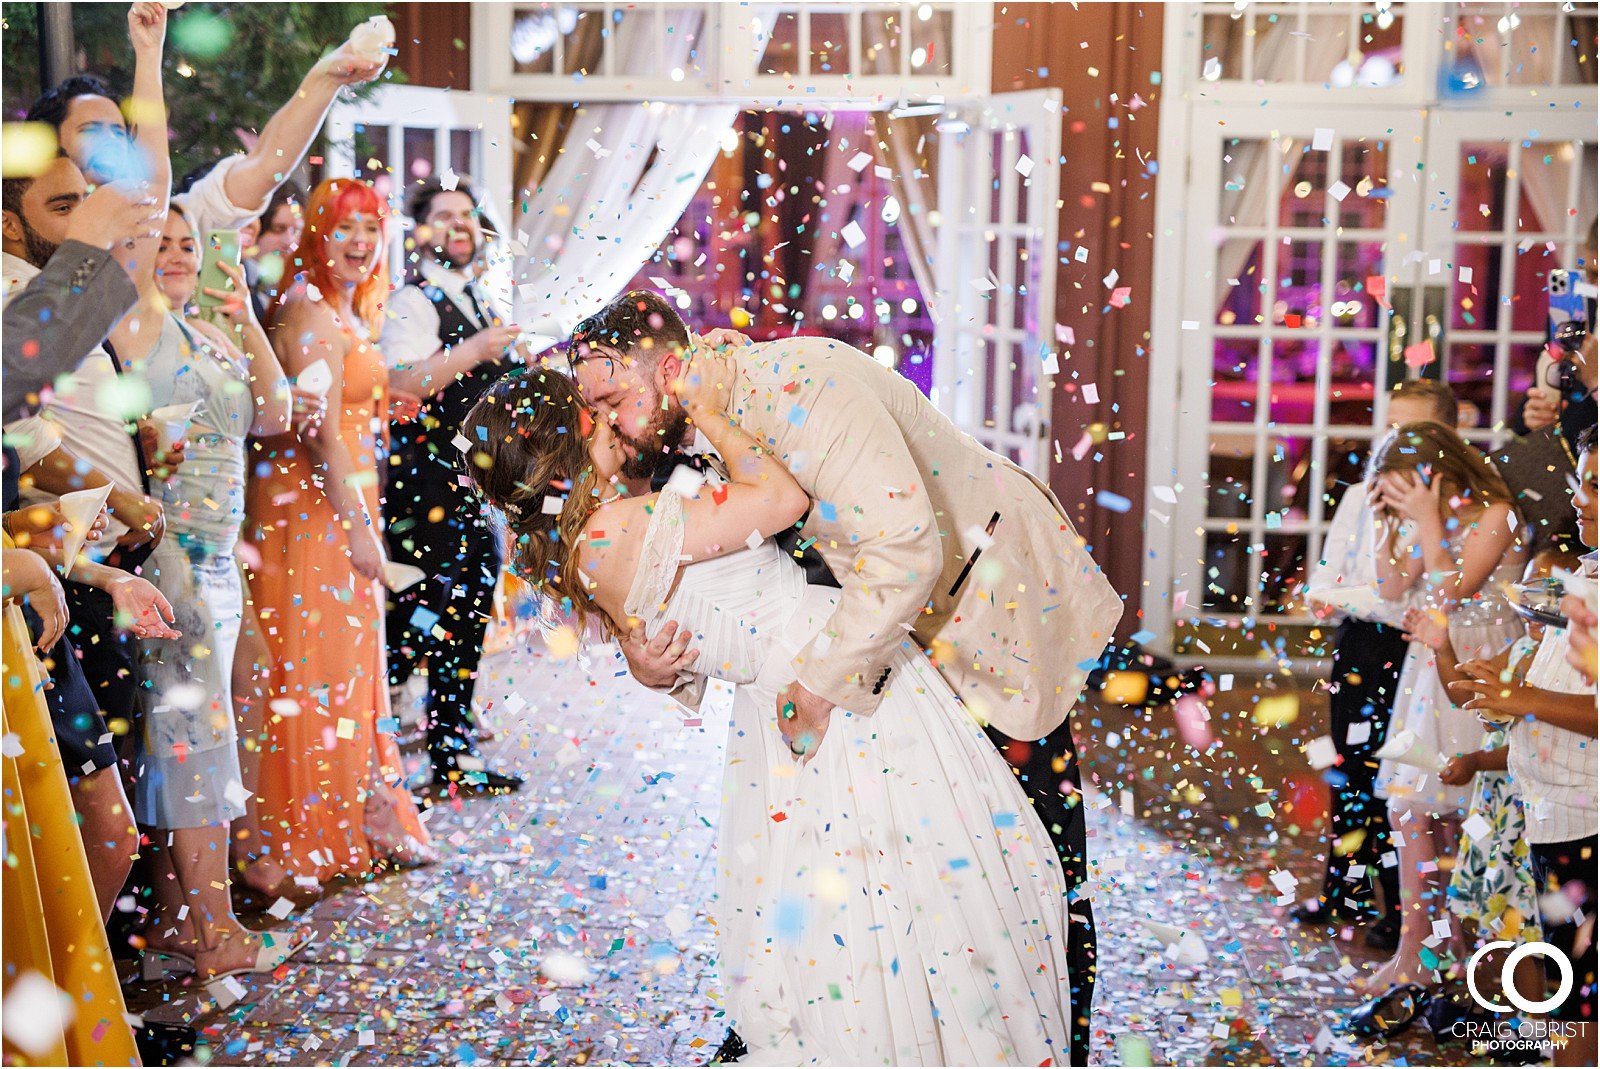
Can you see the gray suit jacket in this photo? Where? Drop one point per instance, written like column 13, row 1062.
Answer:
column 58, row 319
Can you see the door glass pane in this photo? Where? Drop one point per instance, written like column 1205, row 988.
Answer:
column 1228, row 574
column 1289, row 485
column 830, row 42
column 1299, row 297
column 1350, row 304
column 1245, row 184
column 1532, row 49
column 1545, row 173
column 1304, row 200
column 1294, row 381
column 1469, row 371
column 1475, row 287
column 882, row 43
column 1235, row 372
column 1222, row 47
column 1232, row 457
column 1240, row 281
column 1352, row 377
column 1283, row 569
column 534, row 32
column 419, row 153
column 783, row 46
column 930, row 40
column 371, row 150
column 1578, row 49
column 461, row 161
column 1480, row 203
column 1364, row 169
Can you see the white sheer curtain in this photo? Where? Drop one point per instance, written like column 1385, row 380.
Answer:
column 1247, row 190
column 626, row 175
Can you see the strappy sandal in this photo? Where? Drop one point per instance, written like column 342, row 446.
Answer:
column 273, row 953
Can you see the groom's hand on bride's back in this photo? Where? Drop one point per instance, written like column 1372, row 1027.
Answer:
column 656, row 660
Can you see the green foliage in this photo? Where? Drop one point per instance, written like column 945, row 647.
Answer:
column 228, row 66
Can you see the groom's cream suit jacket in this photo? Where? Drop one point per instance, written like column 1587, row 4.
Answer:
column 902, row 501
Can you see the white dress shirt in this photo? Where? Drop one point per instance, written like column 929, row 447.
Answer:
column 1349, row 561
column 91, row 409
column 411, row 330
column 207, row 205
column 1555, row 770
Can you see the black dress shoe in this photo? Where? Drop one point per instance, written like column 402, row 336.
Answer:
column 1390, row 1013
column 1385, row 935
column 165, row 1044
column 731, row 1051
column 485, row 781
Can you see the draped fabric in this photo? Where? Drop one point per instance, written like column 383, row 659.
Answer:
column 57, row 960
column 908, row 146
column 620, row 179
column 1247, row 176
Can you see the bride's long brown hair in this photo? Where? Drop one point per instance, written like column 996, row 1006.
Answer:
column 527, row 450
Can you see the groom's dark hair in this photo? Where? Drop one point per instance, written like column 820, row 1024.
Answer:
column 641, row 323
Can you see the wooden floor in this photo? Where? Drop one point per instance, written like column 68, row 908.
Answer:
column 567, row 923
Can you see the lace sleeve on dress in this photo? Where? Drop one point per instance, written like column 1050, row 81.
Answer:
column 659, row 558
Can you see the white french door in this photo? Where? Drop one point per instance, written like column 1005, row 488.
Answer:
column 1298, row 238
column 1349, row 195
column 1509, row 197
column 402, row 133
column 995, row 306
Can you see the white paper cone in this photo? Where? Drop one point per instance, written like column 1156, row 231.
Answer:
column 317, row 378
column 398, row 576
column 1404, row 748
column 80, row 507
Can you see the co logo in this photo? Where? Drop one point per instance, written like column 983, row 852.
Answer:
column 1526, row 950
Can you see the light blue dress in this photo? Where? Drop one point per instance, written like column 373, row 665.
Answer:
column 189, row 772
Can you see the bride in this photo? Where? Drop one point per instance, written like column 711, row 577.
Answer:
column 889, row 897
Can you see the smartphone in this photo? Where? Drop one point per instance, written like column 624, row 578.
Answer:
column 219, row 247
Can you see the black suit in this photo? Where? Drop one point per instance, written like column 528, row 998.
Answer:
column 432, row 522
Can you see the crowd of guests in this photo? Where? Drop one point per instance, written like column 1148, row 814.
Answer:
column 1463, row 794
column 203, row 713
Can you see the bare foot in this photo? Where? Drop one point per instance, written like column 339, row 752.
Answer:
column 243, row 951
column 268, row 877
column 390, row 840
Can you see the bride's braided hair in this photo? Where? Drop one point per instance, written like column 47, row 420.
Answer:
column 527, row 443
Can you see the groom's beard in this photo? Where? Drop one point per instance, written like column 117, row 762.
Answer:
column 655, row 449
column 36, row 248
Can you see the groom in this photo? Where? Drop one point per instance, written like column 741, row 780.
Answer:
column 934, row 539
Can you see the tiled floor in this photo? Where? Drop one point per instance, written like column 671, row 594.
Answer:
column 567, row 923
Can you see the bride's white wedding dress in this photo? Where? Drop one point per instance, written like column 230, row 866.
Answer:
column 894, row 901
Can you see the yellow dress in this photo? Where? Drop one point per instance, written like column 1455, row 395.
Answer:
column 52, row 927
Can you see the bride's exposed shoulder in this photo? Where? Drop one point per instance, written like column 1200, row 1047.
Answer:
column 608, row 549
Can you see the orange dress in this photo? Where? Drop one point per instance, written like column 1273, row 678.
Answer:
column 330, row 733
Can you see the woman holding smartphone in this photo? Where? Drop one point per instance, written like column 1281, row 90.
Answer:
column 190, row 785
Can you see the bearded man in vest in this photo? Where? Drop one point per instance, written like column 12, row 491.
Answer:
column 446, row 339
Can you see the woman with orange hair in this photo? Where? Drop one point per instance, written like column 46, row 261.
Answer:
column 331, row 794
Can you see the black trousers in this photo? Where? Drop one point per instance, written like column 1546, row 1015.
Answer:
column 1047, row 769
column 1367, row 658
column 109, row 658
column 445, row 617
